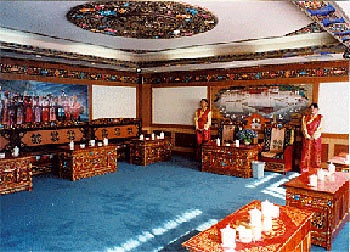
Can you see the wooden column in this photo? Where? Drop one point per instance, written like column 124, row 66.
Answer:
column 145, row 104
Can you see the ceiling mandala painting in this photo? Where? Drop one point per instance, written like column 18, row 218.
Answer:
column 143, row 19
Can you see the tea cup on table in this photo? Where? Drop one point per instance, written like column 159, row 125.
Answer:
column 228, row 237
column 246, row 235
column 331, row 168
column 267, row 223
column 320, row 174
column 266, row 208
column 313, row 180
column 275, row 212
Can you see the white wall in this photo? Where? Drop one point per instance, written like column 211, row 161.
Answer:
column 176, row 105
column 113, row 102
column 334, row 105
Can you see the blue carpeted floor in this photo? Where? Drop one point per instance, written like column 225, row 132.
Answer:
column 150, row 208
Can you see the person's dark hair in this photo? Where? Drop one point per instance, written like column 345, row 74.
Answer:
column 314, row 104
column 206, row 100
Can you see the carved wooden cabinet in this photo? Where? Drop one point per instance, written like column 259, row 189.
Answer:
column 229, row 160
column 329, row 201
column 145, row 152
column 86, row 162
column 114, row 131
column 47, row 137
column 15, row 174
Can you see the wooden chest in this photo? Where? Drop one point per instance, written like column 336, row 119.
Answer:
column 229, row 160
column 86, row 162
column 16, row 174
column 145, row 152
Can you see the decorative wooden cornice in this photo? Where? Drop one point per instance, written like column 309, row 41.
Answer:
column 37, row 70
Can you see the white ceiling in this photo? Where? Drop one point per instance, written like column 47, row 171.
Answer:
column 259, row 24
column 238, row 20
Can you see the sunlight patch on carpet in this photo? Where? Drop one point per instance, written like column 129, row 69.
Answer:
column 146, row 236
column 207, row 224
column 276, row 189
column 262, row 181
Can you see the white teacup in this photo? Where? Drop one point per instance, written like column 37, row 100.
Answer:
column 275, row 212
column 267, row 223
column 228, row 237
column 331, row 168
column 313, row 180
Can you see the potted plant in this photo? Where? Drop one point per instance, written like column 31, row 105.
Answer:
column 246, row 135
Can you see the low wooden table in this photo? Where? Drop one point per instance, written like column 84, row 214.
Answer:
column 290, row 232
column 16, row 174
column 229, row 160
column 329, row 201
column 145, row 152
column 86, row 162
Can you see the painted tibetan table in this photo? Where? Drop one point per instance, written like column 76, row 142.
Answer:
column 145, row 152
column 229, row 159
column 329, row 201
column 16, row 174
column 291, row 231
column 86, row 162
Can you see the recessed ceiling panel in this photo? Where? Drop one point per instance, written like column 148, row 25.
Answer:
column 142, row 19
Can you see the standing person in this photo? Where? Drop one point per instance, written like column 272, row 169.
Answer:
column 203, row 122
column 312, row 146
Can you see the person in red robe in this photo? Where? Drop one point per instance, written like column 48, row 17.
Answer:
column 203, row 122
column 76, row 108
column 312, row 144
column 28, row 109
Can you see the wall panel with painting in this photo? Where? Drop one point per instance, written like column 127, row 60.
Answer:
column 28, row 104
column 274, row 105
column 39, row 116
column 279, row 102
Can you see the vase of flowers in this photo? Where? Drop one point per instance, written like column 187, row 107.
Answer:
column 246, row 135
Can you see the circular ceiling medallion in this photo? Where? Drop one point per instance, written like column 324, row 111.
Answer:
column 142, row 19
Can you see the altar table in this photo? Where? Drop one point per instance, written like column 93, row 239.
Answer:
column 290, row 232
column 86, row 162
column 329, row 201
column 145, row 152
column 229, row 159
